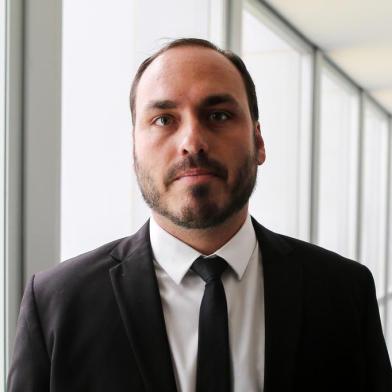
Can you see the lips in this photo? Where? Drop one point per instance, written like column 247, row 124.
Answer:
column 194, row 168
column 194, row 172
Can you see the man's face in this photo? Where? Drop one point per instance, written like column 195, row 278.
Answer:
column 196, row 148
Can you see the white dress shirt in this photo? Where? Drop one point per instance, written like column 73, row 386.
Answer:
column 181, row 293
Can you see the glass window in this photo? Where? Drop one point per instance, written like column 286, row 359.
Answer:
column 282, row 74
column 374, row 194
column 382, row 309
column 2, row 184
column 389, row 259
column 388, row 332
column 97, row 62
column 388, row 298
column 338, row 160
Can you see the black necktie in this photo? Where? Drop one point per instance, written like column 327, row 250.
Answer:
column 213, row 356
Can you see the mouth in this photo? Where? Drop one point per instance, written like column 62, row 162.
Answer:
column 195, row 170
column 193, row 176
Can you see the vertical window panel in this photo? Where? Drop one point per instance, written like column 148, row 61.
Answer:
column 96, row 165
column 382, row 309
column 282, row 74
column 389, row 257
column 374, row 194
column 3, row 62
column 388, row 298
column 388, row 332
column 338, row 160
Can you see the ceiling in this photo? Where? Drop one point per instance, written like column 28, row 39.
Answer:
column 356, row 35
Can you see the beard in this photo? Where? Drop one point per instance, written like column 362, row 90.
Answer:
column 204, row 212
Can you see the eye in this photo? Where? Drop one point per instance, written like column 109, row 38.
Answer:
column 162, row 121
column 219, row 116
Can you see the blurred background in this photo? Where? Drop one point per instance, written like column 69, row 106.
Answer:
column 323, row 73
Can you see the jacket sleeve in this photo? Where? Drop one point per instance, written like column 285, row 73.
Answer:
column 378, row 365
column 30, row 365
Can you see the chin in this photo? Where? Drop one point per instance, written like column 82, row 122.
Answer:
column 196, row 215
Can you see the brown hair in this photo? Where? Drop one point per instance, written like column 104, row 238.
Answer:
column 232, row 57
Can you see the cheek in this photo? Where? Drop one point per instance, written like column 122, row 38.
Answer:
column 149, row 164
column 152, row 144
column 143, row 153
column 240, row 156
column 140, row 146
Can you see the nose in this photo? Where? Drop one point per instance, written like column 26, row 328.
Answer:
column 193, row 138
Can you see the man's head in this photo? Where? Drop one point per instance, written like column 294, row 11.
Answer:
column 197, row 42
column 197, row 139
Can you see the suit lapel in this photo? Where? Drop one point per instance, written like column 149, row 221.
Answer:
column 137, row 295
column 283, row 309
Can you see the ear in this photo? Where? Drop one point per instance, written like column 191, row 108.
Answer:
column 260, row 150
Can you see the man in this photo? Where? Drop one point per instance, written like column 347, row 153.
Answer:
column 202, row 298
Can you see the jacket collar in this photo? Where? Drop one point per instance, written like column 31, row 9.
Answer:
column 137, row 295
column 283, row 308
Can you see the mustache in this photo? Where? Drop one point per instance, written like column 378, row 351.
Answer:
column 197, row 161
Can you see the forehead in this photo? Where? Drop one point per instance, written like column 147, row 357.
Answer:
column 189, row 73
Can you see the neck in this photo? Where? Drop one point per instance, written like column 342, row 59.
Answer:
column 205, row 241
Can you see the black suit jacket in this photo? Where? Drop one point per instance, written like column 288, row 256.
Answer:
column 95, row 323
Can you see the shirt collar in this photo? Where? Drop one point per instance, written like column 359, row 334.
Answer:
column 176, row 257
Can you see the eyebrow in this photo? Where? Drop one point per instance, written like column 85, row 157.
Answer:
column 217, row 99
column 208, row 101
column 162, row 104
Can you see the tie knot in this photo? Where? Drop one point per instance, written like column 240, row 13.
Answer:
column 209, row 269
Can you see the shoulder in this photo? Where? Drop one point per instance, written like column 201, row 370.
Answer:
column 314, row 260
column 87, row 270
column 329, row 280
column 320, row 261
column 75, row 274
column 315, row 254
